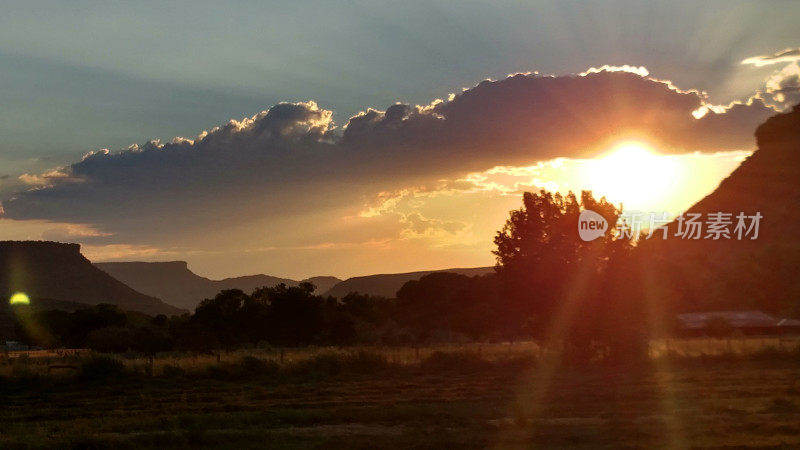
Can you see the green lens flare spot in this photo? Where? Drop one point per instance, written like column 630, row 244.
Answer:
column 20, row 298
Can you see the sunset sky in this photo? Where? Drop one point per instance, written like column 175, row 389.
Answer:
column 316, row 138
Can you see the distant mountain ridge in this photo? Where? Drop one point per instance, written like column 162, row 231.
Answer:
column 176, row 284
column 59, row 272
column 387, row 285
column 323, row 283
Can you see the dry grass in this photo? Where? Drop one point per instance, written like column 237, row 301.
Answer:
column 38, row 362
column 744, row 346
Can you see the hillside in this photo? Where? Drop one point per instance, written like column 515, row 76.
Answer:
column 59, row 272
column 741, row 274
column 387, row 285
column 177, row 285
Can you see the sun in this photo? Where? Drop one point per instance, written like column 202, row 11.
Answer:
column 635, row 174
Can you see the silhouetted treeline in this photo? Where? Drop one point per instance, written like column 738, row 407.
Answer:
column 549, row 285
column 280, row 315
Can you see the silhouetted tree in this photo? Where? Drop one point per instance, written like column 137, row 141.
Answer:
column 218, row 320
column 342, row 330
column 368, row 308
column 449, row 302
column 152, row 339
column 114, row 339
column 294, row 316
column 69, row 329
column 553, row 278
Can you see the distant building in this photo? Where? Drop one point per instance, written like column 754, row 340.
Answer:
column 14, row 346
column 744, row 322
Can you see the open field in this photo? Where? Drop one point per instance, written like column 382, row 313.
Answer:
column 502, row 397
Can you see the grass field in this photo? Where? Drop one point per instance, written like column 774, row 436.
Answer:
column 489, row 396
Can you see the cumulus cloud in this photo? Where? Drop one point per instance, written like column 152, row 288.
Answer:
column 286, row 172
column 781, row 89
column 524, row 118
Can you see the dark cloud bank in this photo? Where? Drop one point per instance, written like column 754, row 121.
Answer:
column 292, row 160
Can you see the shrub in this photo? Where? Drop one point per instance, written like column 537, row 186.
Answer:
column 101, row 368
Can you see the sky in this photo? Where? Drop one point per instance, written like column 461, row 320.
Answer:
column 316, row 138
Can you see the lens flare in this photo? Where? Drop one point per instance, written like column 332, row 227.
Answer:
column 20, row 298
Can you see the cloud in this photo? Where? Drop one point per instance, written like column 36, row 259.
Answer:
column 47, row 178
column 47, row 230
column 781, row 89
column 640, row 70
column 421, row 226
column 529, row 118
column 288, row 175
column 121, row 252
column 787, row 55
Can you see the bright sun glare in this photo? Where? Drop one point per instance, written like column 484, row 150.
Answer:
column 633, row 174
column 20, row 298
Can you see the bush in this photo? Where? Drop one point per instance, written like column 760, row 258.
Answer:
column 101, row 368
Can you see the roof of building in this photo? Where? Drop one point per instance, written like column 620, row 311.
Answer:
column 737, row 319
